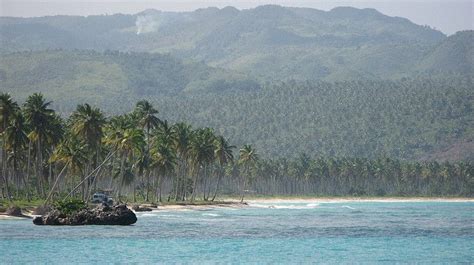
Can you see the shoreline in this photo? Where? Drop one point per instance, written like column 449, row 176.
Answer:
column 236, row 204
column 358, row 199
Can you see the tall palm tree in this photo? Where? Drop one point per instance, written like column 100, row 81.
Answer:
column 224, row 156
column 147, row 116
column 88, row 124
column 148, row 120
column 247, row 160
column 183, row 135
column 8, row 108
column 40, row 119
column 130, row 144
column 16, row 140
column 202, row 155
column 73, row 154
column 164, row 160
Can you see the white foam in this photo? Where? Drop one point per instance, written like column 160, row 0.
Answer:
column 148, row 214
column 348, row 207
column 285, row 206
column 210, row 214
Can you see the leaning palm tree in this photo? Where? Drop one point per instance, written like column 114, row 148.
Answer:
column 72, row 154
column 40, row 119
column 224, row 156
column 247, row 160
column 8, row 108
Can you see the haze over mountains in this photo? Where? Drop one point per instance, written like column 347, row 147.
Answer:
column 213, row 54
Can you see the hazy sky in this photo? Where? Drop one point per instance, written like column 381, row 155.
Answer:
column 448, row 16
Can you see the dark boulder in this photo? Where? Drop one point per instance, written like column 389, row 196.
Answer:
column 14, row 211
column 141, row 208
column 101, row 215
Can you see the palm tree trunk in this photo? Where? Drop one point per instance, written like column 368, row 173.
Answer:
column 217, row 184
column 148, row 173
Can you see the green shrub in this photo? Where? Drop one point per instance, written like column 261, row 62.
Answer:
column 70, row 206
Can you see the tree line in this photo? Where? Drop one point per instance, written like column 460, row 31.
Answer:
column 138, row 156
column 44, row 155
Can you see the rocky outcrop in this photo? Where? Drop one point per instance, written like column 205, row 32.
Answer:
column 16, row 212
column 141, row 208
column 101, row 215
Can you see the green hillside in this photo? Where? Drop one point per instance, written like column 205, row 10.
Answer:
column 407, row 118
column 455, row 54
column 346, row 82
column 70, row 77
column 268, row 42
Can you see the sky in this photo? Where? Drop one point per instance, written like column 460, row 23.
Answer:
column 448, row 16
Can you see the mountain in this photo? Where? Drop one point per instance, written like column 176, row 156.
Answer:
column 454, row 54
column 346, row 82
column 70, row 77
column 268, row 42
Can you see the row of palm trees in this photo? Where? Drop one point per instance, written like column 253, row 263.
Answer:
column 330, row 176
column 45, row 156
column 137, row 154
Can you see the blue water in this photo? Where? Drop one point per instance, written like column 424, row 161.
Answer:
column 356, row 232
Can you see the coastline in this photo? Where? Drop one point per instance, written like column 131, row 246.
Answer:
column 236, row 204
column 358, row 199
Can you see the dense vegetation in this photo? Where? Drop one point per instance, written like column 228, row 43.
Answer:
column 409, row 118
column 44, row 156
column 361, row 93
column 70, row 77
column 267, row 42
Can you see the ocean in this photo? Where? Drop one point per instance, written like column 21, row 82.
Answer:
column 263, row 233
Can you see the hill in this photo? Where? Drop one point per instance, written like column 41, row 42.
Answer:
column 70, row 77
column 454, row 54
column 347, row 82
column 408, row 118
column 268, row 42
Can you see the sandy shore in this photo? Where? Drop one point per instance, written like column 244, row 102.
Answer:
column 356, row 199
column 235, row 203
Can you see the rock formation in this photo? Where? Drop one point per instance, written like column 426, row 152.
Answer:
column 101, row 215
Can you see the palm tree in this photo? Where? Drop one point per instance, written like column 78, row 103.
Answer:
column 8, row 108
column 73, row 154
column 87, row 125
column 40, row 118
column 148, row 120
column 183, row 135
column 202, row 154
column 16, row 140
column 248, row 159
column 164, row 160
column 130, row 144
column 147, row 117
column 223, row 154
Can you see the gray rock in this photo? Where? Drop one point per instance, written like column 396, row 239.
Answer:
column 101, row 215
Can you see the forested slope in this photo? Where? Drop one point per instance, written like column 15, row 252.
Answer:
column 268, row 42
column 403, row 119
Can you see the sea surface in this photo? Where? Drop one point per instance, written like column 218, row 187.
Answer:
column 264, row 233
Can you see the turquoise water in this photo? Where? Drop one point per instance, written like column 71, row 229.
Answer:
column 356, row 232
